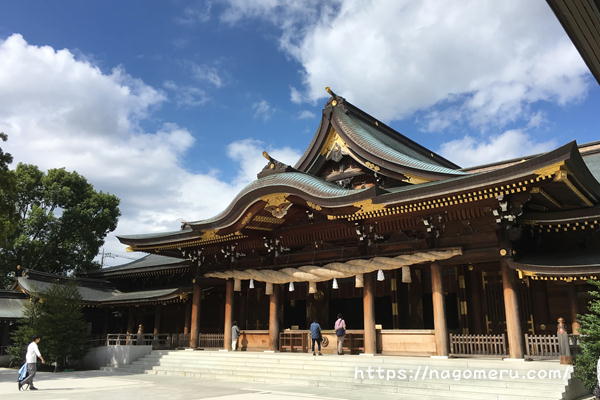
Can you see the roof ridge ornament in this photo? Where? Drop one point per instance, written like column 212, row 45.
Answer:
column 273, row 167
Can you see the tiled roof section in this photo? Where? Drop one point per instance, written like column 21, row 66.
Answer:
column 36, row 282
column 309, row 184
column 154, row 235
column 372, row 141
column 12, row 308
column 567, row 264
column 148, row 261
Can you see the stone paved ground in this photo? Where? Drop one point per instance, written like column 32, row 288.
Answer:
column 98, row 385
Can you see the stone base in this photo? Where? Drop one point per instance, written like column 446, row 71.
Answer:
column 439, row 357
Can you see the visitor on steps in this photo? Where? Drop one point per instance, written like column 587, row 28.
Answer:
column 315, row 335
column 33, row 353
column 235, row 334
column 340, row 332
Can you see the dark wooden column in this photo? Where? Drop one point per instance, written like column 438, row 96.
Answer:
column 439, row 310
column 157, row 314
column 511, row 309
column 195, row 312
column 131, row 319
column 187, row 310
column 572, row 292
column 228, row 314
column 274, row 319
column 370, row 338
column 476, row 306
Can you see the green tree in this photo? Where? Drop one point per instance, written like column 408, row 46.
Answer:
column 60, row 222
column 589, row 351
column 7, row 196
column 58, row 318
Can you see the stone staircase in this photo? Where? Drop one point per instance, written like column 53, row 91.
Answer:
column 411, row 377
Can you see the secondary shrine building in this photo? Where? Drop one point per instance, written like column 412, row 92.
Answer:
column 417, row 253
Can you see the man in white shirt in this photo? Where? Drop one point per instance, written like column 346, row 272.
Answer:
column 33, row 353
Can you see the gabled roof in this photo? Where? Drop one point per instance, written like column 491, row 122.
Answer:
column 373, row 144
column 93, row 291
column 145, row 264
column 12, row 304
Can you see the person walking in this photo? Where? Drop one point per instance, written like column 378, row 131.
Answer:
column 315, row 335
column 33, row 353
column 235, row 334
column 340, row 332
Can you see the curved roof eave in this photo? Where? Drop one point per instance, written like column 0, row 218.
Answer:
column 307, row 187
column 362, row 141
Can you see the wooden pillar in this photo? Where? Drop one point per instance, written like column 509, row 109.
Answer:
column 195, row 311
column 157, row 313
column 572, row 292
column 439, row 310
column 476, row 306
column 187, row 310
column 228, row 314
column 394, row 286
column 370, row 338
column 511, row 309
column 274, row 319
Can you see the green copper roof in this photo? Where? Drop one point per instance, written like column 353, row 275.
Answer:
column 376, row 142
column 593, row 163
column 311, row 185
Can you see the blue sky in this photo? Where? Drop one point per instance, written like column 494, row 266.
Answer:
column 169, row 104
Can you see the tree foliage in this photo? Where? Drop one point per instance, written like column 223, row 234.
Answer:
column 589, row 351
column 54, row 221
column 58, row 318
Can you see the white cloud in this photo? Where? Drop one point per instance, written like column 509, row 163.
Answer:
column 513, row 143
column 195, row 13
column 62, row 112
column 296, row 95
column 207, row 73
column 248, row 154
column 263, row 110
column 488, row 61
column 306, row 114
column 186, row 96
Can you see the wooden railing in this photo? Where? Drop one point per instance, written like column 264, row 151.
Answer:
column 300, row 341
column 211, row 340
column 542, row 346
column 160, row 341
column 478, row 345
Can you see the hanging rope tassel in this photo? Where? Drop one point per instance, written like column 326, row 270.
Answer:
column 237, row 285
column 269, row 288
column 359, row 281
column 406, row 278
column 312, row 287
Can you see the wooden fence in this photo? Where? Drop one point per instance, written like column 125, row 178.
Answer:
column 541, row 346
column 211, row 340
column 478, row 345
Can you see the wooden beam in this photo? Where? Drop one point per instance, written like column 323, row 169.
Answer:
column 439, row 311
column 274, row 319
column 194, row 314
column 370, row 338
column 228, row 314
column 511, row 308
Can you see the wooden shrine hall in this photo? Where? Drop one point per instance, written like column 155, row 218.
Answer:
column 414, row 251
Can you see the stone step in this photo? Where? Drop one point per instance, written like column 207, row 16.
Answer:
column 492, row 385
column 448, row 392
column 397, row 361
column 346, row 371
column 339, row 372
